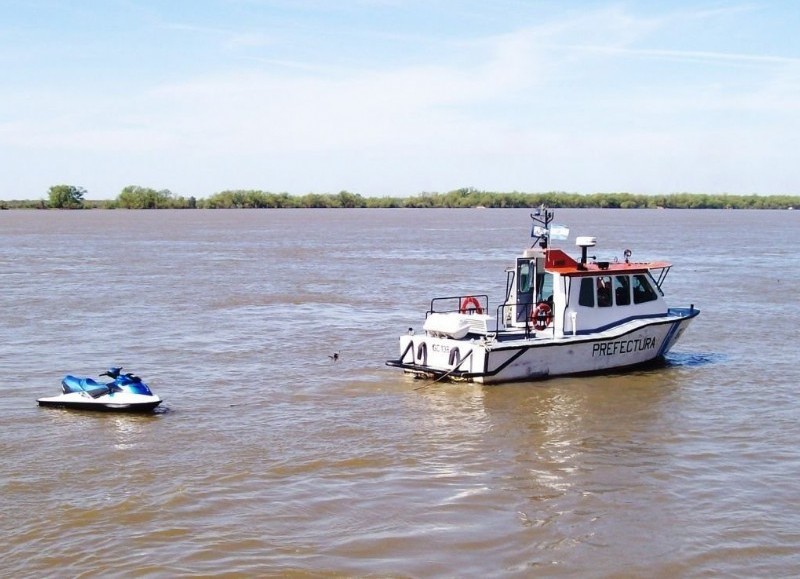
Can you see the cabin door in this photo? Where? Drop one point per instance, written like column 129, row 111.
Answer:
column 526, row 287
column 534, row 285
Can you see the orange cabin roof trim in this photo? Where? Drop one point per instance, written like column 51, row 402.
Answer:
column 557, row 261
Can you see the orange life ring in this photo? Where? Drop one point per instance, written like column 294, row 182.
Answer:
column 470, row 303
column 542, row 316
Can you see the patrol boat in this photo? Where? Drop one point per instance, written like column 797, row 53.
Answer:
column 559, row 317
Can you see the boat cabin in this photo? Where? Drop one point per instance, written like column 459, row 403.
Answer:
column 556, row 295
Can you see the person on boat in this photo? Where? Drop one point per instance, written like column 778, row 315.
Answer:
column 603, row 292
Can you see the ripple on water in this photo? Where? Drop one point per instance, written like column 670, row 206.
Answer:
column 268, row 458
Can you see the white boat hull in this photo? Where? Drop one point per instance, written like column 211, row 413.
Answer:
column 116, row 402
column 633, row 343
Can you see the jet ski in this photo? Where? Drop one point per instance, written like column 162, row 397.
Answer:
column 125, row 393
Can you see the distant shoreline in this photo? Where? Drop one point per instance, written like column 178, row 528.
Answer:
column 142, row 198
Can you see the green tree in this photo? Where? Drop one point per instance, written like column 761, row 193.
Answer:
column 66, row 196
column 350, row 200
column 134, row 197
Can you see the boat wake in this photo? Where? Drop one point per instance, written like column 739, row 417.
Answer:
column 692, row 360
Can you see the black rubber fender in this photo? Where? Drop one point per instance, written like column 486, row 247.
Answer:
column 455, row 356
column 422, row 354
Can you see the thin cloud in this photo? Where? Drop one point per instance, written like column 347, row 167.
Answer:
column 685, row 55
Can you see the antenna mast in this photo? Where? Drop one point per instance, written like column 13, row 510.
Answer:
column 542, row 217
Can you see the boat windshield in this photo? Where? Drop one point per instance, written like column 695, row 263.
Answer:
column 544, row 287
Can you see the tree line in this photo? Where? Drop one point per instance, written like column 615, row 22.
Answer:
column 135, row 197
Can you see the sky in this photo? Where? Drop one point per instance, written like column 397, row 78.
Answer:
column 399, row 97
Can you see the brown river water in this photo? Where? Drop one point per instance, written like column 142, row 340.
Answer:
column 269, row 459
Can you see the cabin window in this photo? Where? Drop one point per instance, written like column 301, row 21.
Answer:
column 544, row 289
column 642, row 290
column 622, row 290
column 604, row 298
column 586, row 297
column 525, row 277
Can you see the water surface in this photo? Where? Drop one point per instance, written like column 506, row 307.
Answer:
column 269, row 459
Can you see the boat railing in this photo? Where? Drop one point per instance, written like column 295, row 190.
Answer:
column 510, row 318
column 508, row 315
column 465, row 304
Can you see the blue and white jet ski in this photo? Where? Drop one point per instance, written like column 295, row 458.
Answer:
column 125, row 393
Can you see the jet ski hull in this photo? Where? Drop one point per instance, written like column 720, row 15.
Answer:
column 115, row 403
